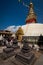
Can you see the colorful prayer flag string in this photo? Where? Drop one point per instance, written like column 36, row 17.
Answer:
column 23, row 3
column 19, row 0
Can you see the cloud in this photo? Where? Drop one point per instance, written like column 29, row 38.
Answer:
column 12, row 28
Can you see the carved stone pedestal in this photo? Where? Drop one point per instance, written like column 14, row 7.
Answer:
column 25, row 56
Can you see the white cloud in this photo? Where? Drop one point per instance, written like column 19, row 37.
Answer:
column 12, row 28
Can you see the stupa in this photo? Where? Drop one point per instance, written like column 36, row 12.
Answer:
column 32, row 27
column 25, row 56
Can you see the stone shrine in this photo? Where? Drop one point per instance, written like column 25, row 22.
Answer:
column 25, row 56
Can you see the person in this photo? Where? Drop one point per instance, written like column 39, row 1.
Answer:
column 15, row 41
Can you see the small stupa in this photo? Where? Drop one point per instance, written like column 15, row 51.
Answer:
column 25, row 56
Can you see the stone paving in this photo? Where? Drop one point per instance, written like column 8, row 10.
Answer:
column 39, row 61
column 8, row 61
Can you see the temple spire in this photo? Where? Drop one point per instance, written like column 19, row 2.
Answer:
column 31, row 18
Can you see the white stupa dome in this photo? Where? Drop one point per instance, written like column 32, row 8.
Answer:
column 33, row 29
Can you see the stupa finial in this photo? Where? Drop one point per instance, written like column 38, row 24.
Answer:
column 31, row 18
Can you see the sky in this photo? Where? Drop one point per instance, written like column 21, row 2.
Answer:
column 13, row 12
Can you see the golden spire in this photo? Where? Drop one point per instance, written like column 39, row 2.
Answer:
column 31, row 18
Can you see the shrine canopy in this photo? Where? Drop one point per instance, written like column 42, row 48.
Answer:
column 19, row 31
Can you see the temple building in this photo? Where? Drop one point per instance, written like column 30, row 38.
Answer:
column 5, row 33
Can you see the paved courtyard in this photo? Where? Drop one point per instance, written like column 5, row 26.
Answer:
column 8, row 61
column 39, row 61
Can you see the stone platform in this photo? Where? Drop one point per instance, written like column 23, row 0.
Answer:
column 26, row 59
